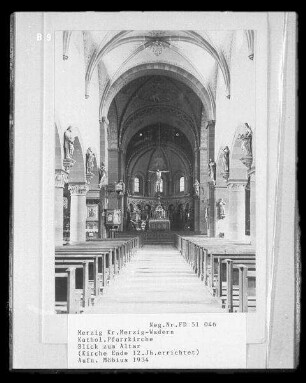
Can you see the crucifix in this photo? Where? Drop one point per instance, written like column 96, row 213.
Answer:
column 158, row 177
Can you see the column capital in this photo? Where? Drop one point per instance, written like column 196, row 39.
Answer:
column 113, row 147
column 78, row 188
column 61, row 177
column 202, row 147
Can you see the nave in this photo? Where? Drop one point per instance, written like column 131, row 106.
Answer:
column 157, row 280
column 175, row 273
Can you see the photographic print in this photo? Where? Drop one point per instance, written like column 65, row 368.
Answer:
column 167, row 118
column 158, row 231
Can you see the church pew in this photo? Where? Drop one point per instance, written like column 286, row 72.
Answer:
column 75, row 258
column 126, row 235
column 237, row 296
column 198, row 252
column 201, row 253
column 72, row 299
column 128, row 245
column 245, row 299
column 116, row 253
column 90, row 286
column 202, row 261
column 220, row 272
column 99, row 257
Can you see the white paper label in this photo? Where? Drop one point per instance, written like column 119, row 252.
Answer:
column 163, row 341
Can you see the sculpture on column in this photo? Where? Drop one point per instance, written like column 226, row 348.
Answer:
column 220, row 208
column 246, row 146
column 89, row 161
column 225, row 160
column 212, row 170
column 68, row 143
column 120, row 187
column 102, row 175
column 196, row 188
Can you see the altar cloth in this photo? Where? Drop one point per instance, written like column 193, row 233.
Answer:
column 159, row 224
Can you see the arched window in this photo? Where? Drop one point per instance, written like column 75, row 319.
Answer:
column 182, row 184
column 136, row 185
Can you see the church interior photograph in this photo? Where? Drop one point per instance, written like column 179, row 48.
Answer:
column 155, row 159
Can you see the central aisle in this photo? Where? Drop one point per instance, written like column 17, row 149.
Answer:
column 157, row 280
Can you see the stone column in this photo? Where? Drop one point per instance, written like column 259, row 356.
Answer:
column 113, row 177
column 204, row 190
column 104, row 205
column 212, row 215
column 236, row 209
column 121, row 174
column 206, row 151
column 78, row 212
column 103, row 141
column 60, row 179
column 210, row 131
column 196, row 198
column 252, row 204
column 103, row 158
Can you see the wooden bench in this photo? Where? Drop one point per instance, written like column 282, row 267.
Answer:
column 72, row 301
column 100, row 255
column 217, row 272
column 237, row 296
column 126, row 235
column 207, row 256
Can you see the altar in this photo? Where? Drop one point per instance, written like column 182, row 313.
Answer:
column 159, row 221
column 159, row 224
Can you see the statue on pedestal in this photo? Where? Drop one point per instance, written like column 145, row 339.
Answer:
column 212, row 170
column 68, row 143
column 102, row 174
column 196, row 188
column 225, row 161
column 120, row 187
column 246, row 146
column 221, row 211
column 89, row 161
column 246, row 140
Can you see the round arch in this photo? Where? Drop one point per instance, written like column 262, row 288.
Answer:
column 141, row 152
column 160, row 68
column 171, row 116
